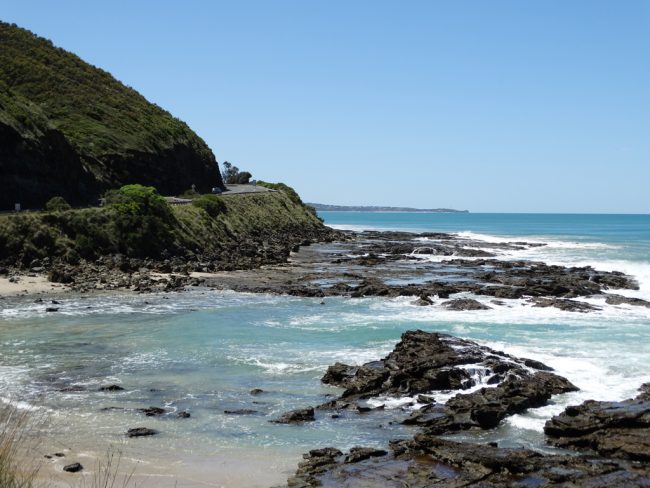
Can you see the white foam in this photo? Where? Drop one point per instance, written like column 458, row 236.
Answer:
column 548, row 242
column 353, row 227
column 19, row 404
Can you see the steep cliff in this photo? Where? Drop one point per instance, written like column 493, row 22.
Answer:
column 68, row 128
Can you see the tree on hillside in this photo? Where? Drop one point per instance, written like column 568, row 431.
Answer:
column 229, row 172
column 232, row 175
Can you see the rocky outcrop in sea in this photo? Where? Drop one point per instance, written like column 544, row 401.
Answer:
column 491, row 385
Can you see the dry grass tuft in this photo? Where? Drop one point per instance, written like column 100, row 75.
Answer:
column 106, row 472
column 16, row 445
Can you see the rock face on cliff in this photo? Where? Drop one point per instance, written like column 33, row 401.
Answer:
column 68, row 128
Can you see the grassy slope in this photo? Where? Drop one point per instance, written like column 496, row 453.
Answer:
column 83, row 125
column 72, row 234
column 96, row 112
column 24, row 116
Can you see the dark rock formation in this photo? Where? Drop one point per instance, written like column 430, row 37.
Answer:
column 428, row 461
column 73, row 468
column 423, row 362
column 486, row 407
column 241, row 411
column 111, row 388
column 464, row 304
column 38, row 164
column 383, row 264
column 612, row 429
column 152, row 411
column 564, row 304
column 619, row 300
column 423, row 301
column 297, row 416
column 141, row 432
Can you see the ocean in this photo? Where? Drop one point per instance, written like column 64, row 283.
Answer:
column 203, row 351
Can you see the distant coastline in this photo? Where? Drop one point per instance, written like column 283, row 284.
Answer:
column 344, row 208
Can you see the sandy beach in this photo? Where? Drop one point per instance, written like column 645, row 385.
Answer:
column 227, row 468
column 29, row 284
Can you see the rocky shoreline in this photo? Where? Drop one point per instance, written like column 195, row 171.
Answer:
column 432, row 268
column 327, row 263
column 450, row 385
column 174, row 273
column 612, row 435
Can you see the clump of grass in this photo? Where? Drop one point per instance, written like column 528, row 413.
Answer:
column 16, row 446
column 106, row 473
column 19, row 457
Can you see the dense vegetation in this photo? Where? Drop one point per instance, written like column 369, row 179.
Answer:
column 137, row 222
column 59, row 111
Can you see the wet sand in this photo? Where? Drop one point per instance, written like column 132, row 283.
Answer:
column 215, row 467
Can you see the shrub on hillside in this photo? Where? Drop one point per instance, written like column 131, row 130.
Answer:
column 142, row 221
column 212, row 204
column 138, row 200
column 57, row 204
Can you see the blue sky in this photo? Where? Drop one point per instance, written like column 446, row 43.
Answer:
column 491, row 106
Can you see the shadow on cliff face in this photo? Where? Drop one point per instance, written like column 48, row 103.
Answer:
column 34, row 169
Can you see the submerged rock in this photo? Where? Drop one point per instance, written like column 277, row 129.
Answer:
column 564, row 304
column 241, row 411
column 296, row 416
column 464, row 304
column 423, row 301
column 111, row 388
column 140, row 432
column 152, row 411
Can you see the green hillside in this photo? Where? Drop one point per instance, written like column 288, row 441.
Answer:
column 237, row 231
column 69, row 128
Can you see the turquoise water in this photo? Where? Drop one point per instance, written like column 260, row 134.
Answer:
column 203, row 351
column 631, row 231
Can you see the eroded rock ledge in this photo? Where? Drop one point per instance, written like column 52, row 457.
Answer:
column 613, row 429
column 614, row 434
column 432, row 267
column 424, row 362
column 491, row 384
column 429, row 461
